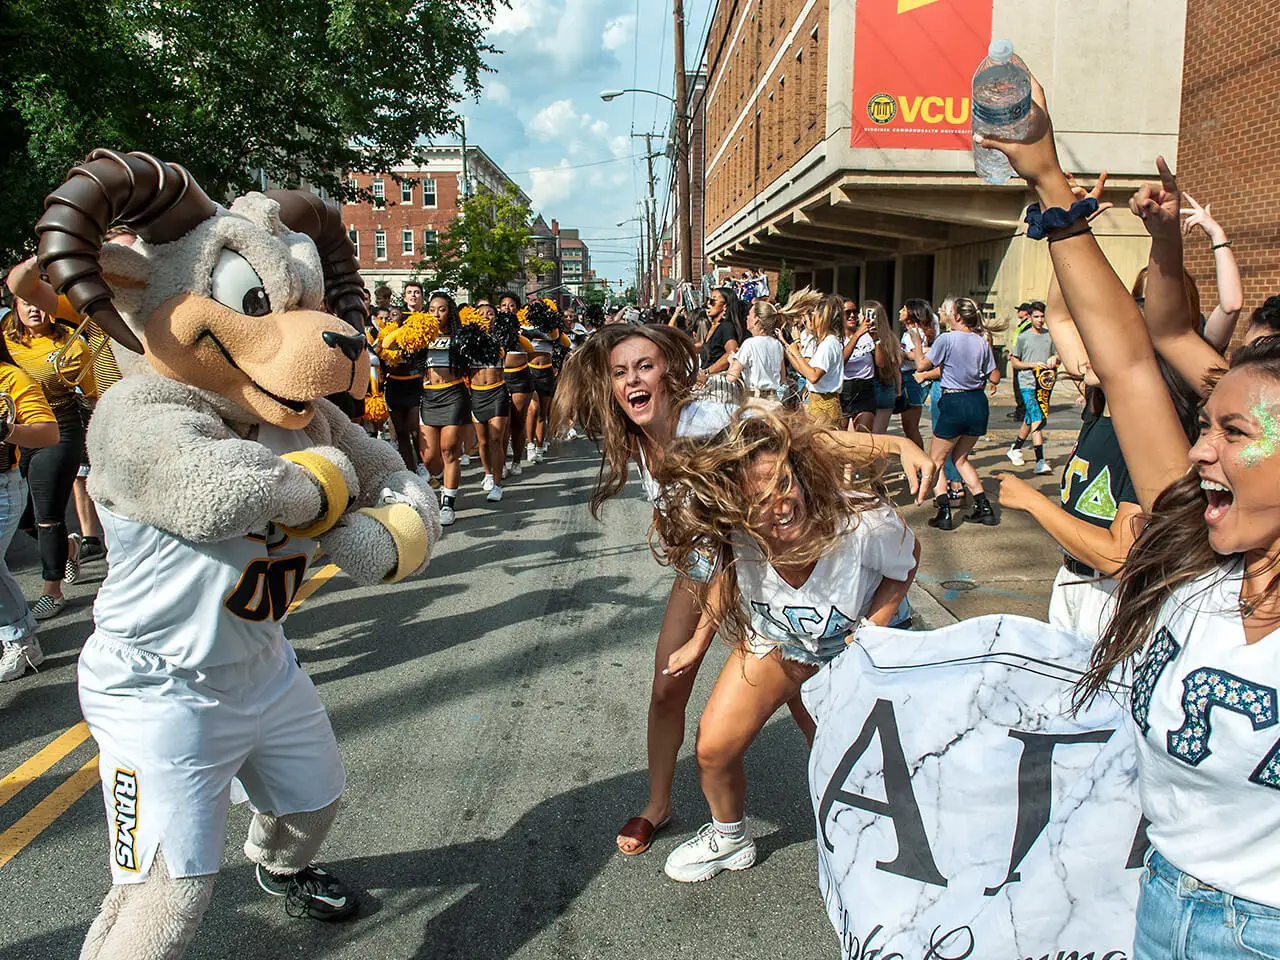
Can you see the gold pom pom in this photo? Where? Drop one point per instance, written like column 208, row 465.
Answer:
column 523, row 316
column 555, row 307
column 375, row 408
column 473, row 317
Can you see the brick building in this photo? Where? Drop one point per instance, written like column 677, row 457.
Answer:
column 411, row 209
column 1229, row 151
column 575, row 259
column 837, row 139
column 544, row 248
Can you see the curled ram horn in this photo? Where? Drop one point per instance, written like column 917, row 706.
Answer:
column 304, row 212
column 158, row 200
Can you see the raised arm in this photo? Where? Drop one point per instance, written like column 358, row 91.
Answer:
column 1109, row 322
column 1103, row 548
column 24, row 282
column 1168, row 313
column 1222, row 322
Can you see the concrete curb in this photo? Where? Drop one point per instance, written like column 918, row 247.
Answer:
column 931, row 614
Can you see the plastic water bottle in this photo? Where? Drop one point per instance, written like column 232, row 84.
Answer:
column 1001, row 107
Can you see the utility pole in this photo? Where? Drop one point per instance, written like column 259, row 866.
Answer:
column 684, row 200
column 652, row 251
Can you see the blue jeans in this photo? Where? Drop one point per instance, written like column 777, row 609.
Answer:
column 1181, row 919
column 935, row 403
column 16, row 621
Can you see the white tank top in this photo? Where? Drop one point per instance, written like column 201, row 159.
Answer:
column 200, row 605
column 1208, row 716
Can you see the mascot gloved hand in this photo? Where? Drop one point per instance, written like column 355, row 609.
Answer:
column 218, row 470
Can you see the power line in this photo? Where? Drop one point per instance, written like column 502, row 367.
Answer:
column 575, row 166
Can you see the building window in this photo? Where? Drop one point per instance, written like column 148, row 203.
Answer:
column 379, row 244
column 351, row 185
column 428, row 193
column 354, row 236
column 428, row 239
column 379, row 192
column 406, row 191
column 406, row 242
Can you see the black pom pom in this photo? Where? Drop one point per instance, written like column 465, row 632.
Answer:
column 476, row 347
column 505, row 330
column 542, row 317
column 594, row 315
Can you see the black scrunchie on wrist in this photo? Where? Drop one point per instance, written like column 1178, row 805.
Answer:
column 1041, row 223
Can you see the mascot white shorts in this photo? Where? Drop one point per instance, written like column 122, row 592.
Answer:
column 171, row 741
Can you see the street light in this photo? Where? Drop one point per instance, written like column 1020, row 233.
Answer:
column 607, row 95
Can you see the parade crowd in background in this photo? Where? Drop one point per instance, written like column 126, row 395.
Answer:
column 762, row 432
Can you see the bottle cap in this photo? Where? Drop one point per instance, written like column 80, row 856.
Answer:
column 1000, row 51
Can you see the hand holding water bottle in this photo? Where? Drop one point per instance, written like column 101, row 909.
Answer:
column 1034, row 157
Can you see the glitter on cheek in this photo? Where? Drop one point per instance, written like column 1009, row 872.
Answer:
column 1268, row 435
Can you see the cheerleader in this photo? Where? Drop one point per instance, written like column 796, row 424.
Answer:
column 401, row 385
column 490, row 401
column 525, row 402
column 1198, row 605
column 803, row 556
column 630, row 389
column 544, row 327
column 446, row 404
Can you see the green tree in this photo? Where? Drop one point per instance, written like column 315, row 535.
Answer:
column 295, row 90
column 595, row 294
column 483, row 249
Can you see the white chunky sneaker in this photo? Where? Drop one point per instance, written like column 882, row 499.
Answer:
column 707, row 853
column 487, row 483
column 446, row 516
column 531, row 453
column 1015, row 457
column 495, row 494
column 465, row 460
column 17, row 656
column 514, row 470
column 1042, row 466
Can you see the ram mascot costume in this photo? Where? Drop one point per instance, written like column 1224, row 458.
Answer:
column 219, row 471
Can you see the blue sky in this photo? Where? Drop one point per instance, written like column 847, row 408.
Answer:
column 542, row 120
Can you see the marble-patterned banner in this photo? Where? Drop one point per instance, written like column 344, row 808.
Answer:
column 962, row 809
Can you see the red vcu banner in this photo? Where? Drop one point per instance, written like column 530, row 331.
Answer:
column 913, row 64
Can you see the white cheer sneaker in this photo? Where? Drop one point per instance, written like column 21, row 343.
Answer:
column 707, row 853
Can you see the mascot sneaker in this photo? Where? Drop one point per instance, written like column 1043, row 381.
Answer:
column 311, row 892
column 707, row 853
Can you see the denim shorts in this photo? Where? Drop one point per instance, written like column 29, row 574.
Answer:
column 962, row 414
column 886, row 396
column 1180, row 918
column 915, row 391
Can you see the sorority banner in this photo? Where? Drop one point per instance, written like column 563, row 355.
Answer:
column 962, row 811
column 913, row 65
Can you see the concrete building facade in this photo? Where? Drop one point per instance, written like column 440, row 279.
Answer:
column 1229, row 152
column 793, row 179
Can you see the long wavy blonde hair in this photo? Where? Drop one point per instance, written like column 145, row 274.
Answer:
column 584, row 396
column 709, row 500
column 890, row 349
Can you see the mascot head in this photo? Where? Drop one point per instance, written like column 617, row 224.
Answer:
column 261, row 303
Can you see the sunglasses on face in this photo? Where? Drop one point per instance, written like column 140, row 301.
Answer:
column 715, row 302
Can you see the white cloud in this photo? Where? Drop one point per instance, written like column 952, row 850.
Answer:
column 619, row 32
column 553, row 120
column 521, row 16
column 551, row 184
column 495, row 91
column 620, row 146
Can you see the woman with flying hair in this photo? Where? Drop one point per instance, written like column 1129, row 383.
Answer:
column 1198, row 606
column 888, row 364
column 825, row 368
column 803, row 555
column 964, row 356
column 630, row 388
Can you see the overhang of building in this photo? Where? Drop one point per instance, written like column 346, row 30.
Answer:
column 856, row 216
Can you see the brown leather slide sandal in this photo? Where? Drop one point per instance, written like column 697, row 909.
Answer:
column 642, row 831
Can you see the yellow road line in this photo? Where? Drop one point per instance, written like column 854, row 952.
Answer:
column 314, row 583
column 33, row 823
column 38, row 819
column 27, row 773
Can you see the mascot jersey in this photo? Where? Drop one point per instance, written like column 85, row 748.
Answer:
column 201, row 605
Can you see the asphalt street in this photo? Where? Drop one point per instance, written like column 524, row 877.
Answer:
column 491, row 715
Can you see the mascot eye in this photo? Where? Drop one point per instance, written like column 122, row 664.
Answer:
column 237, row 285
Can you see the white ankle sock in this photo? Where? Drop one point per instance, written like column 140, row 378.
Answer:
column 734, row 831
